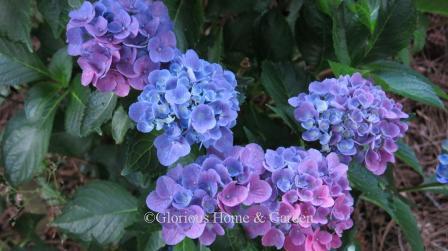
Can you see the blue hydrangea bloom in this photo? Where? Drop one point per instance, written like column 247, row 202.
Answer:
column 442, row 167
column 351, row 117
column 119, row 42
column 193, row 101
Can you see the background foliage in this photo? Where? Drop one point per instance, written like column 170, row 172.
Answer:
column 275, row 47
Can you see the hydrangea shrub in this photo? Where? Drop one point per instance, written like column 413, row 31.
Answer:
column 286, row 110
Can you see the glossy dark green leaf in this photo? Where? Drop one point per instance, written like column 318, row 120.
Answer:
column 76, row 108
column 276, row 40
column 15, row 20
column 349, row 241
column 283, row 81
column 215, row 52
column 404, row 81
column 19, row 54
column 342, row 69
column 313, row 35
column 69, row 145
column 188, row 18
column 99, row 110
column 377, row 192
column 367, row 10
column 61, row 67
column 339, row 36
column 120, row 124
column 407, row 155
column 394, row 29
column 41, row 100
column 55, row 14
column 13, row 73
column 433, row 6
column 186, row 245
column 24, row 147
column 154, row 242
column 100, row 210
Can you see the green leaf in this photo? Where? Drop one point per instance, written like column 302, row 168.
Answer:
column 12, row 73
column 186, row 245
column 120, row 125
column 433, row 6
column 24, row 147
column 376, row 191
column 27, row 135
column 40, row 101
column 15, row 20
column 404, row 81
column 76, row 108
column 61, row 67
column 339, row 36
column 276, row 40
column 54, row 12
column 99, row 110
column 234, row 240
column 328, row 6
column 313, row 35
column 349, row 241
column 342, row 69
column 87, row 111
column 75, row 3
column 407, row 155
column 69, row 145
column 216, row 50
column 140, row 154
column 100, row 210
column 420, row 33
column 188, row 18
column 294, row 11
column 155, row 241
column 394, row 30
column 282, row 81
column 17, row 53
column 367, row 10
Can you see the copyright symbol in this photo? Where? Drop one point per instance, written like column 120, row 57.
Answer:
column 149, row 217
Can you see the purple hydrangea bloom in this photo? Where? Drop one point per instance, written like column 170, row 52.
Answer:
column 120, row 42
column 310, row 201
column 352, row 117
column 193, row 101
column 200, row 189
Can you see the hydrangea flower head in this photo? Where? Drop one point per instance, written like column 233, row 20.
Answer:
column 351, row 117
column 442, row 167
column 310, row 205
column 193, row 101
column 120, row 42
column 195, row 190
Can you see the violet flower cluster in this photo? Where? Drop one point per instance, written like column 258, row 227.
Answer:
column 442, row 167
column 191, row 192
column 291, row 198
column 119, row 42
column 310, row 205
column 352, row 117
column 193, row 101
